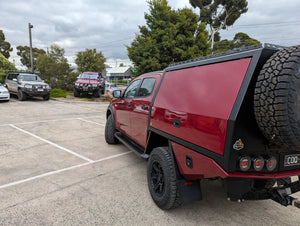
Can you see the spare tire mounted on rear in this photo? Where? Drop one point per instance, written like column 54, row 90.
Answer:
column 277, row 98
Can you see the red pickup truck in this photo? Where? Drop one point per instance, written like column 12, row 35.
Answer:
column 234, row 116
column 89, row 82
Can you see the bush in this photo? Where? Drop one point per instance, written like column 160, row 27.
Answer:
column 119, row 81
column 65, row 83
column 58, row 93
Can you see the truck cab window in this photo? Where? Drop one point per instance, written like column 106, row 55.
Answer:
column 146, row 87
column 131, row 90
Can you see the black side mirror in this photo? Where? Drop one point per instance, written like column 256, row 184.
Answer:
column 117, row 93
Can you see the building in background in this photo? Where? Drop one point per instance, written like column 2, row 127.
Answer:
column 118, row 73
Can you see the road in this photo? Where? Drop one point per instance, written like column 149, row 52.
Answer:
column 56, row 169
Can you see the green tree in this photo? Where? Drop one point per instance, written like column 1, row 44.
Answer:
column 53, row 66
column 90, row 60
column 5, row 65
column 169, row 36
column 219, row 14
column 223, row 45
column 240, row 40
column 4, row 46
column 24, row 53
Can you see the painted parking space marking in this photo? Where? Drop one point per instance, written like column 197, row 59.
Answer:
column 84, row 120
column 61, row 170
column 50, row 120
column 51, row 143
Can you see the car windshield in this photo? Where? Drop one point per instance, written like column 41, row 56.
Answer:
column 30, row 78
column 89, row 76
column 1, row 84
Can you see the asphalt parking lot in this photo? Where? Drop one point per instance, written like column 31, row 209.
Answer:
column 55, row 168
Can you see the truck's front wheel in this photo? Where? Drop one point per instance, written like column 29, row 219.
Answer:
column 47, row 96
column 76, row 93
column 162, row 180
column 110, row 130
column 21, row 95
column 97, row 93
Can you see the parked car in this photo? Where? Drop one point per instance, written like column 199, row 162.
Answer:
column 27, row 84
column 89, row 82
column 4, row 93
column 235, row 117
column 110, row 87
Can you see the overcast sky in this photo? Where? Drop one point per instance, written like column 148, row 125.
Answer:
column 109, row 25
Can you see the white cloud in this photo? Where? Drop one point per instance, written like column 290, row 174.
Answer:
column 109, row 25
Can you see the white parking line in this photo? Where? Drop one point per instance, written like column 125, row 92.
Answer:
column 59, row 171
column 50, row 120
column 84, row 120
column 51, row 143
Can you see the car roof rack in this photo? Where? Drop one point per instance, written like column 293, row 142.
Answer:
column 23, row 71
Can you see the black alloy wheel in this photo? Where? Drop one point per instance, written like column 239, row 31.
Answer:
column 162, row 179
column 157, row 178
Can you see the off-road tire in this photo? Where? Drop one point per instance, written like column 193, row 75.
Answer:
column 277, row 98
column 47, row 96
column 76, row 93
column 21, row 95
column 162, row 182
column 110, row 130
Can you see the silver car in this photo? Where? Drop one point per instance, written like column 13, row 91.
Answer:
column 110, row 87
column 4, row 94
column 27, row 84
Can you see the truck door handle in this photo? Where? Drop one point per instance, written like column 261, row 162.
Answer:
column 128, row 105
column 177, row 122
column 145, row 107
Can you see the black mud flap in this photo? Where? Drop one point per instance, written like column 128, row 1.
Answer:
column 189, row 191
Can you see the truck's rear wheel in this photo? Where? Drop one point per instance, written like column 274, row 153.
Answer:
column 277, row 98
column 161, row 177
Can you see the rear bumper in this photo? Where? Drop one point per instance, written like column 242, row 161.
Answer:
column 205, row 167
column 277, row 175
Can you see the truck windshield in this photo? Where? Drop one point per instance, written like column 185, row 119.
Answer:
column 30, row 78
column 89, row 76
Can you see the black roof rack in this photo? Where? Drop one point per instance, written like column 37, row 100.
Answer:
column 229, row 52
column 23, row 71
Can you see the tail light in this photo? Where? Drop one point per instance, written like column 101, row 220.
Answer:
column 245, row 163
column 258, row 163
column 271, row 163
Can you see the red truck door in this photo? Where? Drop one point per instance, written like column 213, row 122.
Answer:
column 124, row 107
column 139, row 115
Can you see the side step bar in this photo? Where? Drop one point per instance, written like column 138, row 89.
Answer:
column 137, row 149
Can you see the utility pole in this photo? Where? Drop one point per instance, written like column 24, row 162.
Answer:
column 30, row 44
